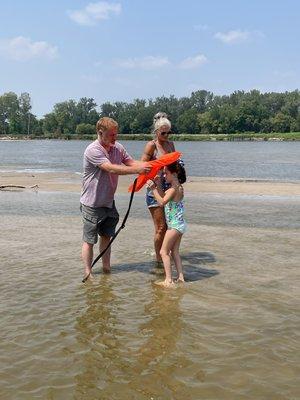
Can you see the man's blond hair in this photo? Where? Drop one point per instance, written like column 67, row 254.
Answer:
column 104, row 124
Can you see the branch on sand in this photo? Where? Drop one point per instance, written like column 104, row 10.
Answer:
column 6, row 187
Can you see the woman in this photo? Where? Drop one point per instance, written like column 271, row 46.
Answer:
column 157, row 147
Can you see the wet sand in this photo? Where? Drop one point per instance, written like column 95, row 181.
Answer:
column 231, row 332
column 70, row 182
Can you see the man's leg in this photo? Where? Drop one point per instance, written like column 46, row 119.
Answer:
column 87, row 257
column 104, row 240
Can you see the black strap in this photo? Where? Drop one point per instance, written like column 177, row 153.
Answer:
column 117, row 232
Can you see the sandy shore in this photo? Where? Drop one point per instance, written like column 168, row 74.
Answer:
column 70, row 182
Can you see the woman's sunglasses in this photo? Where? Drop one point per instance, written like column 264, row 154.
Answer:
column 164, row 133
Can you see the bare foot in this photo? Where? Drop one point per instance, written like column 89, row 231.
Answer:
column 179, row 279
column 106, row 270
column 88, row 277
column 165, row 283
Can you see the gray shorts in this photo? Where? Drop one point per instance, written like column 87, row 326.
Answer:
column 100, row 221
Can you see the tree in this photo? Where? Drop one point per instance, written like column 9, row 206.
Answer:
column 85, row 129
column 9, row 107
column 281, row 123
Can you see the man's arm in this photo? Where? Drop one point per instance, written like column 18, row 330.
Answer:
column 131, row 167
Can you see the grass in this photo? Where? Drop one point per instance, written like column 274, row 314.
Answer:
column 245, row 136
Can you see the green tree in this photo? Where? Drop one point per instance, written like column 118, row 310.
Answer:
column 281, row 122
column 85, row 129
column 9, row 107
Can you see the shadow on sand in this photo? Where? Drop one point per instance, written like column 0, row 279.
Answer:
column 194, row 266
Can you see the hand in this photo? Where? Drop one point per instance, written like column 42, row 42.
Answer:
column 143, row 168
column 156, row 180
column 151, row 185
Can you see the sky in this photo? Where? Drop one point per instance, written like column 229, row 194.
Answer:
column 126, row 49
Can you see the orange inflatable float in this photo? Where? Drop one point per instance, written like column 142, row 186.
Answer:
column 155, row 165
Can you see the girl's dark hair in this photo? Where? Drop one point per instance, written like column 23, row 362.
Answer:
column 178, row 168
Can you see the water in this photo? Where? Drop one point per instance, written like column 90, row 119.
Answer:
column 252, row 160
column 230, row 333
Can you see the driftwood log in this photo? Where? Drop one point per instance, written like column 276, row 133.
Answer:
column 3, row 187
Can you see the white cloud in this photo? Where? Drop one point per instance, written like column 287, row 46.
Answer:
column 148, row 62
column 233, row 37
column 22, row 49
column 193, row 62
column 95, row 12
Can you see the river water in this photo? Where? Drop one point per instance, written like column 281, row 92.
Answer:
column 231, row 332
column 253, row 160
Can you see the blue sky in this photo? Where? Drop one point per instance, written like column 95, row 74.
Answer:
column 122, row 50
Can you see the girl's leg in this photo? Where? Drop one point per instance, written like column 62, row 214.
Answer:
column 158, row 216
column 177, row 259
column 170, row 239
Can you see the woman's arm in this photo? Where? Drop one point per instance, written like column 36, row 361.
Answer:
column 148, row 151
column 173, row 146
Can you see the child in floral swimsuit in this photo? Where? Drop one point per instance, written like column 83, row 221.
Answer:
column 172, row 201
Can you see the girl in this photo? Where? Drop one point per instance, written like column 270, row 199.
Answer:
column 172, row 200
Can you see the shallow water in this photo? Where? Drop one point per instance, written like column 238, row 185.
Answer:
column 231, row 332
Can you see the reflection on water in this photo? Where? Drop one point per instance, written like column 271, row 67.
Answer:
column 128, row 343
column 135, row 349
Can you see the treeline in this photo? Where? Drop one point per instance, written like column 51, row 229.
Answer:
column 201, row 113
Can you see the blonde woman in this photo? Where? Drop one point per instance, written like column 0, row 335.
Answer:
column 155, row 148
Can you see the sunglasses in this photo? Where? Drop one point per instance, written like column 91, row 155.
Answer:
column 164, row 133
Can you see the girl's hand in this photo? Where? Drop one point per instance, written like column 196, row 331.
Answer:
column 156, row 179
column 151, row 184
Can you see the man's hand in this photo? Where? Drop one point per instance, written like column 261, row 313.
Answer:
column 143, row 168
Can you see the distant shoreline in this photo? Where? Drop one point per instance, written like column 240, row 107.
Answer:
column 275, row 137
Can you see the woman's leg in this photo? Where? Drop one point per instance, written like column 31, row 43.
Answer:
column 158, row 216
column 170, row 239
column 177, row 259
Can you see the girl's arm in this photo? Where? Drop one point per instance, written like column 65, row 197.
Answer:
column 161, row 197
column 168, row 195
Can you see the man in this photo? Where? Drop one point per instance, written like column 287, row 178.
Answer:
column 104, row 159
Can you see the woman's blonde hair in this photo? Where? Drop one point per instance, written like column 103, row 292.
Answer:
column 162, row 122
column 159, row 115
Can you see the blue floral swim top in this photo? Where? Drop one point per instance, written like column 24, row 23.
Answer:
column 174, row 215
